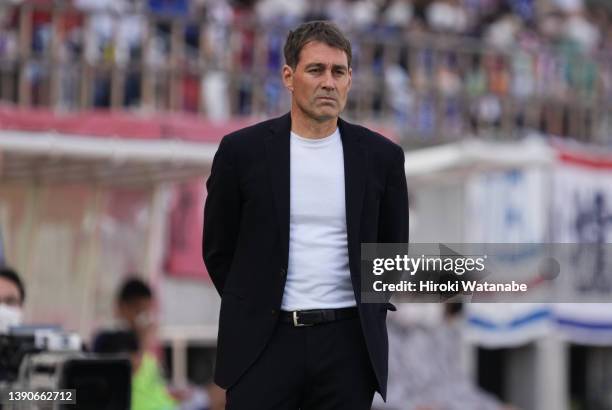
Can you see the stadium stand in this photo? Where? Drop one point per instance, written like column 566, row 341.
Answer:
column 436, row 71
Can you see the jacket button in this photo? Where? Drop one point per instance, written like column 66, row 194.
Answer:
column 283, row 272
column 273, row 311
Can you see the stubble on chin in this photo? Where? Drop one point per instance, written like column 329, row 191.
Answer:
column 318, row 115
column 327, row 111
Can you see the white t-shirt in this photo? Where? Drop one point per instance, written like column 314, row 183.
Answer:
column 318, row 275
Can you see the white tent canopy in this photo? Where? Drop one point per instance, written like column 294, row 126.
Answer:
column 474, row 155
column 51, row 157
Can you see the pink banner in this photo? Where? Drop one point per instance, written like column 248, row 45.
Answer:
column 184, row 251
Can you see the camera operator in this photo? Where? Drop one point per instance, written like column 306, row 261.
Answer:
column 12, row 296
column 135, row 335
column 134, row 310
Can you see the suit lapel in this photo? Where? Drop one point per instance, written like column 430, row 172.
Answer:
column 355, row 171
column 277, row 160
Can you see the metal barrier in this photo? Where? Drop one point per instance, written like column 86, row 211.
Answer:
column 431, row 88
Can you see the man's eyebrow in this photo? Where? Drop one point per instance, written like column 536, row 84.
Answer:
column 322, row 65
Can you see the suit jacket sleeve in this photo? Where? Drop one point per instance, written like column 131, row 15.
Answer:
column 393, row 221
column 221, row 216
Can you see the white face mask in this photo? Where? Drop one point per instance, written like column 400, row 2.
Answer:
column 9, row 316
column 144, row 320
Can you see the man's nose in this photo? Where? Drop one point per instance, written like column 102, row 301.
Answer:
column 328, row 81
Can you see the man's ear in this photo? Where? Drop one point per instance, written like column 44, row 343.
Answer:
column 287, row 75
column 350, row 78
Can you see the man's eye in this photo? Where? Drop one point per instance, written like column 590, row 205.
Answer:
column 10, row 301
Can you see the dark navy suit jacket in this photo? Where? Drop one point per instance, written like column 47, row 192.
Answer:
column 246, row 234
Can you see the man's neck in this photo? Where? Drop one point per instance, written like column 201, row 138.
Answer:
column 308, row 128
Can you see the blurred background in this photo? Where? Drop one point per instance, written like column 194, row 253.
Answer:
column 111, row 112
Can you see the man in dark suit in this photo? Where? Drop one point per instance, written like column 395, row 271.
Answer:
column 289, row 202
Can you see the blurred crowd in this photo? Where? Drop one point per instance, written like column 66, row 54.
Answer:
column 451, row 65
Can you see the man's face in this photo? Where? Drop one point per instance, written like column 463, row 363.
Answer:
column 9, row 293
column 138, row 313
column 320, row 81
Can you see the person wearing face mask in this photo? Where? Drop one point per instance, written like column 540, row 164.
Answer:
column 135, row 314
column 12, row 296
column 134, row 311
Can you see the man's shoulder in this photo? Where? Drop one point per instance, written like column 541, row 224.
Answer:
column 251, row 134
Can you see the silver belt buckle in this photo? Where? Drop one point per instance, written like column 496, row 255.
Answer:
column 295, row 320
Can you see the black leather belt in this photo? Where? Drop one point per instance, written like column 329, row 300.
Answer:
column 317, row 316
